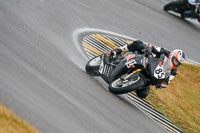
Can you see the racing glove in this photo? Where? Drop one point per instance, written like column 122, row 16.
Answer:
column 115, row 52
column 163, row 85
column 147, row 52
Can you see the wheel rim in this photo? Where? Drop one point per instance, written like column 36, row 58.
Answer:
column 120, row 84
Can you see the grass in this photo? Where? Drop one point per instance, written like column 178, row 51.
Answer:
column 180, row 101
column 10, row 123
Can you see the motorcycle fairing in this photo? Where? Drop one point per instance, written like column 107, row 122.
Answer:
column 159, row 69
column 105, row 68
column 136, row 60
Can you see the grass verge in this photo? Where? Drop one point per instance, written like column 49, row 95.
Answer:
column 180, row 101
column 10, row 123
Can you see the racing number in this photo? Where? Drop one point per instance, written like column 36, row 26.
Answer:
column 160, row 73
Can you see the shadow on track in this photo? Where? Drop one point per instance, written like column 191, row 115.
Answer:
column 185, row 21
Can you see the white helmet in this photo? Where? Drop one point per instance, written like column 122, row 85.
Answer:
column 177, row 57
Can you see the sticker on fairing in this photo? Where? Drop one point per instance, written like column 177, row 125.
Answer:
column 131, row 62
column 101, row 68
column 159, row 72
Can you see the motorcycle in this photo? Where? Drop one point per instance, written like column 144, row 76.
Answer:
column 183, row 7
column 143, row 70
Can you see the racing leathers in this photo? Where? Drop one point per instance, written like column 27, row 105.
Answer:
column 139, row 47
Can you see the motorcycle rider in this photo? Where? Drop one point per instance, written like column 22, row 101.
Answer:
column 194, row 9
column 177, row 57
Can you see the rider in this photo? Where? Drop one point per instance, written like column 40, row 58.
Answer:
column 194, row 9
column 177, row 57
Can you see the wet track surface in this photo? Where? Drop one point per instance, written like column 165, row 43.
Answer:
column 41, row 73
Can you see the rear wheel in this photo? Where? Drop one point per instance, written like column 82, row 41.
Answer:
column 120, row 86
column 92, row 67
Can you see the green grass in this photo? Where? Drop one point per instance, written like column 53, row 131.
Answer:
column 180, row 101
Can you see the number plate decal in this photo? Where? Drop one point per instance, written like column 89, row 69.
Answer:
column 159, row 72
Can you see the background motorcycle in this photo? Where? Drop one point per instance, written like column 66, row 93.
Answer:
column 182, row 7
column 153, row 72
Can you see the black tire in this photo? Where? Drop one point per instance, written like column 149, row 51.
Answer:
column 91, row 68
column 171, row 6
column 137, row 83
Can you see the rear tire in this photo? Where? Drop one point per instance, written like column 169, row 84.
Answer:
column 138, row 82
column 92, row 67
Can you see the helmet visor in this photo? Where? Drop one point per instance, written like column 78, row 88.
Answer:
column 175, row 61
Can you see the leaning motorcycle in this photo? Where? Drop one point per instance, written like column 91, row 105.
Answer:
column 182, row 7
column 143, row 70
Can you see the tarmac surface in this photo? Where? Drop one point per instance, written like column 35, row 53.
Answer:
column 41, row 75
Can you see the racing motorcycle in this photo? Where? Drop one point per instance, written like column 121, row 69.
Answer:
column 143, row 70
column 183, row 7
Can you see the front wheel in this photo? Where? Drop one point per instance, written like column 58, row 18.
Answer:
column 172, row 6
column 92, row 67
column 120, row 86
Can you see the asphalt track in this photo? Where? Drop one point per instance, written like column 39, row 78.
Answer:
column 40, row 66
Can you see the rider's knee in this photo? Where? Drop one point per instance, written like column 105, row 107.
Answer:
column 143, row 93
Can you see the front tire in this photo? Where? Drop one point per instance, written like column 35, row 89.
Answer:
column 171, row 6
column 136, row 81
column 92, row 67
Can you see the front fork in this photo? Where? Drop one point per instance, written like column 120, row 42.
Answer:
column 129, row 75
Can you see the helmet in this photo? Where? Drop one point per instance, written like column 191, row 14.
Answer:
column 177, row 57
